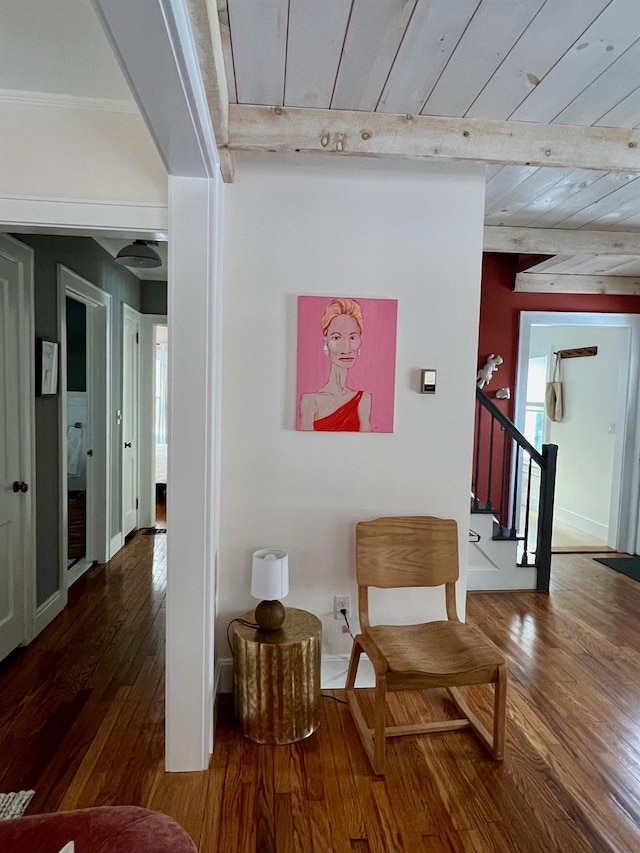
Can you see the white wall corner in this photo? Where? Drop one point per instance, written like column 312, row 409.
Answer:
column 192, row 498
column 50, row 608
column 115, row 544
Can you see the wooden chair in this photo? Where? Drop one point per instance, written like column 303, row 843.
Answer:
column 419, row 552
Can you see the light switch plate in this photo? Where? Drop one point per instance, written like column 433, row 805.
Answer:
column 428, row 381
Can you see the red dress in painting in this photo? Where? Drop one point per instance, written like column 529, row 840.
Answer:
column 344, row 419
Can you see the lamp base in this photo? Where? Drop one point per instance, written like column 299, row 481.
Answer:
column 270, row 615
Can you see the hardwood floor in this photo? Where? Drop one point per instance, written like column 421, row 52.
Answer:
column 76, row 525
column 81, row 722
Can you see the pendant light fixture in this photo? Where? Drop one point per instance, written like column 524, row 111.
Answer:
column 139, row 254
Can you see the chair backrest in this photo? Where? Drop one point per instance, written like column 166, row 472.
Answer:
column 407, row 551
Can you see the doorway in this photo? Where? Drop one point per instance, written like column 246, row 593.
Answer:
column 595, row 472
column 85, row 323
column 154, row 351
column 160, row 420
column 80, row 545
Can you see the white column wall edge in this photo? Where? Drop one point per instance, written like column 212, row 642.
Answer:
column 193, row 290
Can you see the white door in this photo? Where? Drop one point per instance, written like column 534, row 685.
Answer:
column 16, row 555
column 130, row 400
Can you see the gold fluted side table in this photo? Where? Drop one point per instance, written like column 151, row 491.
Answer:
column 276, row 678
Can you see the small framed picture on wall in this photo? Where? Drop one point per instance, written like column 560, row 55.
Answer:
column 46, row 368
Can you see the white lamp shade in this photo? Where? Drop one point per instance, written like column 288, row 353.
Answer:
column 270, row 574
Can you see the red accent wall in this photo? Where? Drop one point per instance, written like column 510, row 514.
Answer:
column 500, row 308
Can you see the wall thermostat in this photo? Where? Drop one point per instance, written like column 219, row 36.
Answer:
column 428, row 382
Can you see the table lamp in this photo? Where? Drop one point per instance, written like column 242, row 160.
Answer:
column 270, row 581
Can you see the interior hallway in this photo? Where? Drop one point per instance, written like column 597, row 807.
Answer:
column 565, row 539
column 81, row 721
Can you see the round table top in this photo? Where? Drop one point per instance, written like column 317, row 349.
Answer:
column 298, row 625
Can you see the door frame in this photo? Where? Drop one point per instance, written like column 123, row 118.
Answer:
column 135, row 316
column 624, row 508
column 146, row 459
column 99, row 379
column 23, row 255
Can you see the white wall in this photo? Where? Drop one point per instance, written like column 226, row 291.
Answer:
column 79, row 154
column 593, row 394
column 304, row 225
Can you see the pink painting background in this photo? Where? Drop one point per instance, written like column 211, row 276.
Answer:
column 375, row 367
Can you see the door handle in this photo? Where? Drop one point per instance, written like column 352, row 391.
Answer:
column 89, row 452
column 127, row 444
column 19, row 486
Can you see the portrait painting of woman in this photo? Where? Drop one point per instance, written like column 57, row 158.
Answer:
column 346, row 364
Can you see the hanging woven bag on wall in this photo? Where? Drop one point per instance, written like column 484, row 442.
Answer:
column 553, row 394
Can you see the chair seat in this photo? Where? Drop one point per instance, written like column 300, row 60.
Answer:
column 435, row 649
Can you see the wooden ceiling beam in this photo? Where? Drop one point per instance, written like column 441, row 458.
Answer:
column 287, row 129
column 206, row 30
column 611, row 284
column 557, row 241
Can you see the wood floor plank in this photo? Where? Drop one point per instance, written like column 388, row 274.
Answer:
column 319, row 821
column 87, row 768
column 264, row 814
column 182, row 796
column 352, row 820
column 82, row 722
column 311, row 767
column 211, row 824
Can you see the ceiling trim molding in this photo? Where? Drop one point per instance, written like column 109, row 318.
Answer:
column 611, row 284
column 557, row 241
column 285, row 129
column 24, row 214
column 76, row 102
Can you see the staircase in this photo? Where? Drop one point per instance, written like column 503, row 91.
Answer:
column 512, row 497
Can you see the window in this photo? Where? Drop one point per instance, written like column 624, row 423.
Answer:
column 534, row 418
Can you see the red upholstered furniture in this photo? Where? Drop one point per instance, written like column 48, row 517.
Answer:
column 108, row 829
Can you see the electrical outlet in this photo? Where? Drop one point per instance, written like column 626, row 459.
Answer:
column 341, row 602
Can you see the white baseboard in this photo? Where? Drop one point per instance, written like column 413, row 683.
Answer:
column 333, row 673
column 518, row 577
column 76, row 572
column 224, row 676
column 49, row 609
column 116, row 543
column 581, row 522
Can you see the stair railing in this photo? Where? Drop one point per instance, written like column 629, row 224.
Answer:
column 506, row 466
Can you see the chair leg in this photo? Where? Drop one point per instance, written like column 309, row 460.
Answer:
column 356, row 651
column 379, row 725
column 499, row 713
column 373, row 740
column 493, row 744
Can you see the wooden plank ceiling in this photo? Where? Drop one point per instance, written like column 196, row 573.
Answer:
column 491, row 80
